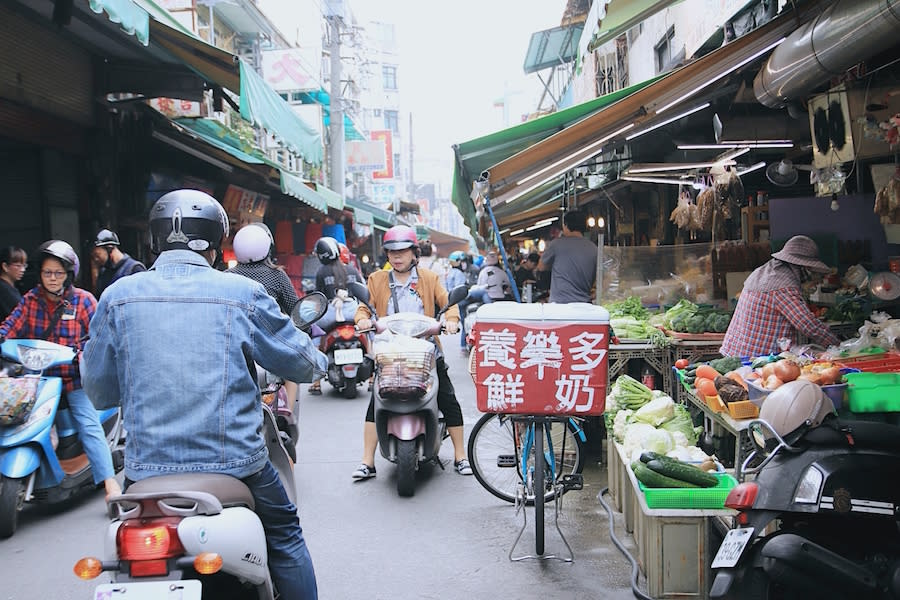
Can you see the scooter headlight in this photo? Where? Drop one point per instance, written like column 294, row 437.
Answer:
column 810, row 486
column 411, row 327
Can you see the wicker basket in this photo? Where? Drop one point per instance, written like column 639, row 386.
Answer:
column 403, row 375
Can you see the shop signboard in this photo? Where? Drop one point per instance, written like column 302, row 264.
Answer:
column 248, row 206
column 541, row 359
column 175, row 109
column 384, row 194
column 364, row 156
column 289, row 70
column 385, row 136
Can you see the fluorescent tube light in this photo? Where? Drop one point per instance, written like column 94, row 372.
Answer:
column 728, row 145
column 537, row 225
column 667, row 121
column 516, row 232
column 652, row 179
column 655, row 168
column 730, row 156
column 758, row 165
column 730, row 69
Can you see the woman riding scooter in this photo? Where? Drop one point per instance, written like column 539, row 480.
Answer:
column 57, row 311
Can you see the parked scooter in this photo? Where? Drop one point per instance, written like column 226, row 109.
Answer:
column 833, row 488
column 410, row 429
column 196, row 529
column 349, row 360
column 41, row 457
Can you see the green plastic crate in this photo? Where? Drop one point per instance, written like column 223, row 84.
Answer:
column 713, row 497
column 873, row 392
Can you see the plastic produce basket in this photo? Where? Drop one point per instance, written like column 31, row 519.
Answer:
column 883, row 363
column 713, row 497
column 757, row 393
column 742, row 410
column 715, row 404
column 873, row 392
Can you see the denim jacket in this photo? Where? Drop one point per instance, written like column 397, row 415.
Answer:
column 175, row 346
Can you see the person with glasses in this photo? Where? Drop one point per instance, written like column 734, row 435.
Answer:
column 13, row 261
column 57, row 311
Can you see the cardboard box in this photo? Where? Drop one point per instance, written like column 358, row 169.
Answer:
column 541, row 359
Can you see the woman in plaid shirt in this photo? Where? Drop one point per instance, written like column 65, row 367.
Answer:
column 771, row 305
column 35, row 315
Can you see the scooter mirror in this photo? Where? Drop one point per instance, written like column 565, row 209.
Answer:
column 310, row 308
column 359, row 291
column 457, row 295
column 757, row 437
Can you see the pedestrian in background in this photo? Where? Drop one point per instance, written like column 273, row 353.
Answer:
column 571, row 260
column 13, row 262
column 525, row 272
column 494, row 278
column 110, row 261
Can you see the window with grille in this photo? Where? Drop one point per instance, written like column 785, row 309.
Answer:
column 664, row 51
column 392, row 120
column 389, row 77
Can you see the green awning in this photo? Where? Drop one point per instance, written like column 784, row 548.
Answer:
column 132, row 18
column 322, row 97
column 262, row 106
column 363, row 217
column 476, row 155
column 293, row 185
column 552, row 47
column 215, row 134
column 618, row 16
column 380, row 217
column 332, row 197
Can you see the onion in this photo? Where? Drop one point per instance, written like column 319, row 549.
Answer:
column 830, row 376
column 768, row 369
column 772, row 382
column 787, row 370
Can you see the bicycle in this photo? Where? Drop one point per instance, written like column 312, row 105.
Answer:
column 546, row 461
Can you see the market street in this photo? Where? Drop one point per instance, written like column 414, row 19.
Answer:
column 449, row 541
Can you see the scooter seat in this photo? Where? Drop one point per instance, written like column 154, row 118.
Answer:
column 869, row 435
column 229, row 490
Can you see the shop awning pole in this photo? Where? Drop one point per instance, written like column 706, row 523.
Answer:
column 509, row 273
column 598, row 285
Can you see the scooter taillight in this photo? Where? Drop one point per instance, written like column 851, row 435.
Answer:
column 149, row 540
column 346, row 332
column 742, row 496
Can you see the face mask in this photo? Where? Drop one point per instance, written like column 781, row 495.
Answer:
column 463, row 266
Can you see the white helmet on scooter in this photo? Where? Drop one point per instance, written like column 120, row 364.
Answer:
column 795, row 408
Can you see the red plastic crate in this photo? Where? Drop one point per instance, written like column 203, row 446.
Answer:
column 888, row 362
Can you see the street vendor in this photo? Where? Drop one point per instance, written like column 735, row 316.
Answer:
column 771, row 305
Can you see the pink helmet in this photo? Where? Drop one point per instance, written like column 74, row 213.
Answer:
column 400, row 237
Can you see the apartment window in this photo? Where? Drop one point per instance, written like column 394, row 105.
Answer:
column 284, row 96
column 664, row 52
column 392, row 120
column 297, row 97
column 376, row 112
column 389, row 77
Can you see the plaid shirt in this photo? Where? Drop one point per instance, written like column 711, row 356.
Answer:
column 771, row 308
column 31, row 317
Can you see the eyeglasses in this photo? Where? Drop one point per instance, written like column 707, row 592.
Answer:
column 53, row 274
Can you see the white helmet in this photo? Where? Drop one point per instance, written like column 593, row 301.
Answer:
column 251, row 244
column 794, row 408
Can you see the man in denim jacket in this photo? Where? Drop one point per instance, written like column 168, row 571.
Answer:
column 175, row 345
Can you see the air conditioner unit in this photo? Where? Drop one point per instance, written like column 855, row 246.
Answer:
column 841, row 128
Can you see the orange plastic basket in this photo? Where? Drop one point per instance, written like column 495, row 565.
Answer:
column 742, row 410
column 715, row 404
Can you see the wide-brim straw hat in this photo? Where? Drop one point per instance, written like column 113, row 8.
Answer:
column 801, row 250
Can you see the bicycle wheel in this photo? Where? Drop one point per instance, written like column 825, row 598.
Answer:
column 538, row 481
column 494, row 453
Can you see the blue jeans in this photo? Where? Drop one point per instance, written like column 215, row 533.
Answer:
column 289, row 561
column 93, row 439
column 474, row 296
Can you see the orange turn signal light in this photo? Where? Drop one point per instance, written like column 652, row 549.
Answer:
column 88, row 568
column 207, row 563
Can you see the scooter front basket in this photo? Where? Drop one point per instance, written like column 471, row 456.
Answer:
column 404, row 375
column 17, row 398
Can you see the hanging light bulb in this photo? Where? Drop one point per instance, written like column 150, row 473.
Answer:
column 834, row 203
column 542, row 245
column 591, row 221
column 600, row 223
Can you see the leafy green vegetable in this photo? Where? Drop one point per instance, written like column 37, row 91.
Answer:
column 724, row 365
column 630, row 307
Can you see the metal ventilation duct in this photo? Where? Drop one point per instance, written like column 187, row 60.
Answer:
column 843, row 34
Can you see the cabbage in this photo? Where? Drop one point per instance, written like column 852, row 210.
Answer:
column 681, row 423
column 641, row 436
column 619, row 424
column 656, row 412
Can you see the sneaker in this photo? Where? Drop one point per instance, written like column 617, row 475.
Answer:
column 315, row 389
column 463, row 467
column 364, row 471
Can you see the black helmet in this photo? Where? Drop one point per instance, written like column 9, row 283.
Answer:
column 63, row 252
column 105, row 237
column 187, row 220
column 327, row 250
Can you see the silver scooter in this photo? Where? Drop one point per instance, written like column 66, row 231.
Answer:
column 410, row 429
column 195, row 535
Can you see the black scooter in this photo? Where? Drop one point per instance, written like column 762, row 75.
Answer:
column 835, row 497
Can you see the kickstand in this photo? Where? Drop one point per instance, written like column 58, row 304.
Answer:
column 520, row 504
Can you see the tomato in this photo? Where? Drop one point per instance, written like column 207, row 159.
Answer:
column 682, row 363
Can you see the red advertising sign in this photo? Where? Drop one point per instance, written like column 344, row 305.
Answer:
column 541, row 367
column 384, row 135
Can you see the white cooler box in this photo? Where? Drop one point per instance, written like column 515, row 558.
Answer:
column 541, row 359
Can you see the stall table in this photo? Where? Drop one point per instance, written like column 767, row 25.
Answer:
column 694, row 351
column 659, row 359
column 718, row 423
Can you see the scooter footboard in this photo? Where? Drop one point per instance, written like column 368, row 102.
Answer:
column 801, row 563
column 21, row 461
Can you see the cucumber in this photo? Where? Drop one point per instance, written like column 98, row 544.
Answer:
column 652, row 479
column 648, row 455
column 683, row 471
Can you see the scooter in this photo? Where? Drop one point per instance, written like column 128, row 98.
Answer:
column 349, row 360
column 835, row 495
column 41, row 458
column 410, row 429
column 194, row 535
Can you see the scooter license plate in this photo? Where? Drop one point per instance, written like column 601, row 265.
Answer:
column 182, row 589
column 348, row 356
column 732, row 547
